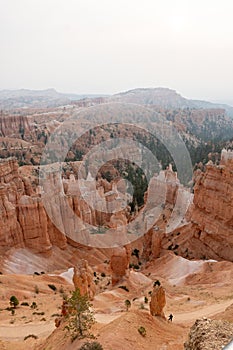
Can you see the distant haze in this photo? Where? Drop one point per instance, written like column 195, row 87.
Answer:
column 107, row 46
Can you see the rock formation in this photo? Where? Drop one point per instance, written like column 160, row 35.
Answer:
column 24, row 221
column 119, row 264
column 16, row 127
column 83, row 279
column 208, row 334
column 28, row 213
column 158, row 301
column 209, row 232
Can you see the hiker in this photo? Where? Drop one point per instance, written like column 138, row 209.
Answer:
column 170, row 317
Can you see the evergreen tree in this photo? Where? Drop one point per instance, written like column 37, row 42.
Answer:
column 80, row 316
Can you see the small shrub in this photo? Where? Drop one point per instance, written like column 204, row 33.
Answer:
column 146, row 300
column 142, row 307
column 30, row 336
column 136, row 267
column 127, row 304
column 157, row 283
column 135, row 252
column 14, row 301
column 24, row 303
column 124, row 287
column 95, row 274
column 91, row 346
column 36, row 289
column 37, row 273
column 53, row 287
column 33, row 305
column 38, row 313
column 142, row 331
column 103, row 274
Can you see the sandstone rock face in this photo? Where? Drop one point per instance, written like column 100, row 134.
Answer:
column 209, row 233
column 24, row 221
column 14, row 126
column 119, row 264
column 28, row 216
column 208, row 334
column 158, row 301
column 83, row 279
column 213, row 211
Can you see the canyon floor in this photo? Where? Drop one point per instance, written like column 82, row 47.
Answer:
column 194, row 289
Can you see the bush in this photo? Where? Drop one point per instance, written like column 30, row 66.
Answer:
column 14, row 301
column 24, row 303
column 36, row 289
column 135, row 252
column 30, row 336
column 124, row 287
column 157, row 283
column 127, row 304
column 53, row 287
column 103, row 274
column 91, row 346
column 146, row 300
column 142, row 331
column 33, row 305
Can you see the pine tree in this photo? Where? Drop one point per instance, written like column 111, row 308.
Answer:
column 79, row 315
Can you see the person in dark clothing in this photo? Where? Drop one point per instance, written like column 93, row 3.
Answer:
column 170, row 317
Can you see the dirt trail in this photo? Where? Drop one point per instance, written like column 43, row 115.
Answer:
column 206, row 311
column 18, row 332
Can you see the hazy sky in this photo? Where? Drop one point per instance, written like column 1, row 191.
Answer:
column 106, row 46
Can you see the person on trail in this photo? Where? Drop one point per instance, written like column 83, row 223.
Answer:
column 170, row 317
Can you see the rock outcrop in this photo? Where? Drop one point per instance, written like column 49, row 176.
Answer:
column 209, row 233
column 158, row 301
column 83, row 279
column 119, row 264
column 16, row 127
column 24, row 221
column 29, row 214
column 208, row 334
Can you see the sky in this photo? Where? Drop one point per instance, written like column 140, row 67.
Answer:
column 108, row 46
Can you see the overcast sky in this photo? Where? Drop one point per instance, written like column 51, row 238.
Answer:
column 107, row 46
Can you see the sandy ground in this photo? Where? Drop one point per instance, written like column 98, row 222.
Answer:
column 190, row 295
